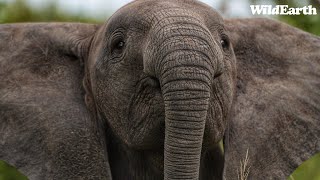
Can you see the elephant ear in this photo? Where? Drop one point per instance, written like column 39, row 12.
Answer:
column 46, row 130
column 276, row 114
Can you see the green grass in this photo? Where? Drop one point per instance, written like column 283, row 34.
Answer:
column 309, row 170
column 8, row 172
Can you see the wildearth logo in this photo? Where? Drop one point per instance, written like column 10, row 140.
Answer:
column 282, row 10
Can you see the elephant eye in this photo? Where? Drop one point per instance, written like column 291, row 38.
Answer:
column 225, row 43
column 119, row 45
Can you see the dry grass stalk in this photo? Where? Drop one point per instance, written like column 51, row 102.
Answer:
column 244, row 168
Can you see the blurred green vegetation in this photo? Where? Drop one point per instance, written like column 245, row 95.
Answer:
column 309, row 23
column 309, row 170
column 8, row 172
column 21, row 11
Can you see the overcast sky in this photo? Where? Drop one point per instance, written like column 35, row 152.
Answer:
column 103, row 8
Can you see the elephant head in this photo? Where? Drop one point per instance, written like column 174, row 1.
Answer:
column 163, row 70
column 159, row 77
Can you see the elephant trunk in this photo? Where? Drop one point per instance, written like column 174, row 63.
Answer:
column 184, row 57
column 186, row 92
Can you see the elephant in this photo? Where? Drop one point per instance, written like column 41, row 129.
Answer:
column 150, row 93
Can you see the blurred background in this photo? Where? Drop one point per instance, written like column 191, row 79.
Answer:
column 98, row 11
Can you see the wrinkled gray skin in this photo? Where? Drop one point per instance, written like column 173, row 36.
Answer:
column 150, row 93
column 276, row 113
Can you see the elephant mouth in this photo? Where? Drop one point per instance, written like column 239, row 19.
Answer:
column 147, row 115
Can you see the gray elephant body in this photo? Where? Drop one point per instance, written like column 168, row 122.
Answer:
column 75, row 106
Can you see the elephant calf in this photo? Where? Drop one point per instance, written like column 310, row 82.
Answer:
column 150, row 93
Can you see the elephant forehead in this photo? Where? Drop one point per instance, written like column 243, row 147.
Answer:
column 145, row 14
